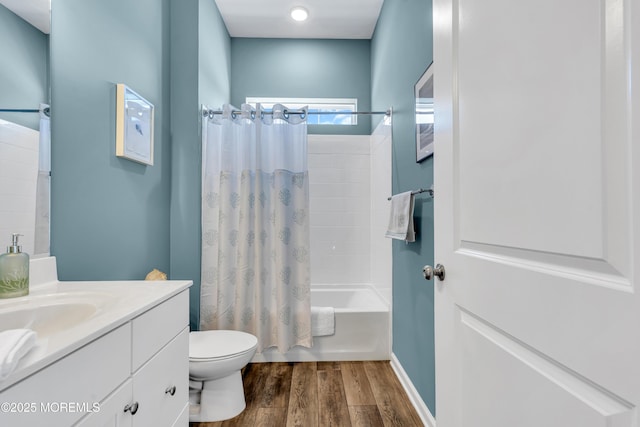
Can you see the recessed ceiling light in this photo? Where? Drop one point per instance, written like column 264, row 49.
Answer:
column 299, row 14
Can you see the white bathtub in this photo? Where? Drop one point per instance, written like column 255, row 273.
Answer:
column 363, row 330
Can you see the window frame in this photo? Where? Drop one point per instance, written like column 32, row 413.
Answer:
column 313, row 104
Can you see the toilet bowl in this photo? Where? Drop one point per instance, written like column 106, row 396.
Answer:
column 215, row 382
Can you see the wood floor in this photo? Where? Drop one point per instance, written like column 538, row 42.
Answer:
column 322, row 394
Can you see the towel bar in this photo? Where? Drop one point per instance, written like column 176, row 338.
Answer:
column 421, row 190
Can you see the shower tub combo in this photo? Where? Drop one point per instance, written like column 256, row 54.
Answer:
column 362, row 327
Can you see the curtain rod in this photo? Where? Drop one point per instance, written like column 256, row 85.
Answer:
column 211, row 113
column 24, row 110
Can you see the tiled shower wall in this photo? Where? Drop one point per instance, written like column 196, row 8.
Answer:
column 349, row 182
column 339, row 187
column 381, row 251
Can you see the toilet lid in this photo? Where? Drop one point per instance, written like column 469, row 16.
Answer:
column 219, row 344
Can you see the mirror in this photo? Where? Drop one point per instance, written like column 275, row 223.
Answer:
column 424, row 114
column 24, row 91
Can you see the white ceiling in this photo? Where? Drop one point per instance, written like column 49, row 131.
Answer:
column 35, row 12
column 328, row 19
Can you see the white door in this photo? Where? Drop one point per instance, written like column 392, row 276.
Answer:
column 537, row 213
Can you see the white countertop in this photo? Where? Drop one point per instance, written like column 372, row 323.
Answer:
column 111, row 303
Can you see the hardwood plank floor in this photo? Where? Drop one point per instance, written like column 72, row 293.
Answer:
column 394, row 406
column 365, row 416
column 322, row 394
column 332, row 402
column 356, row 385
column 303, row 399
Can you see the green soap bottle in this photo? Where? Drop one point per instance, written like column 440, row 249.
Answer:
column 14, row 271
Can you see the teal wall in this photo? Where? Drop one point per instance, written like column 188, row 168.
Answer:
column 112, row 218
column 214, row 68
column 304, row 68
column 24, row 69
column 401, row 50
column 109, row 216
column 200, row 73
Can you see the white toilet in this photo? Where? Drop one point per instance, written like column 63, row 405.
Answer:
column 215, row 381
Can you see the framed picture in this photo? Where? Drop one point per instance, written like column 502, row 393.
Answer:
column 134, row 126
column 423, row 91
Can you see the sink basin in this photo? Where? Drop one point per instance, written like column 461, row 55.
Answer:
column 50, row 314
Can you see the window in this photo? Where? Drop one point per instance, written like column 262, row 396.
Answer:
column 322, row 111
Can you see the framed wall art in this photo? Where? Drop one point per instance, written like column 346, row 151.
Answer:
column 423, row 91
column 134, row 126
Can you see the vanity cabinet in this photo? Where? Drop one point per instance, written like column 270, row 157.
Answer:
column 134, row 375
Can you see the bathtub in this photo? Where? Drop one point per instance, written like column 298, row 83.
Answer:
column 362, row 328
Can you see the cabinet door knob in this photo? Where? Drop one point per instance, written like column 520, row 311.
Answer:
column 170, row 390
column 131, row 407
column 429, row 272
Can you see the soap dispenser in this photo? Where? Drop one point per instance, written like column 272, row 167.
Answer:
column 14, row 271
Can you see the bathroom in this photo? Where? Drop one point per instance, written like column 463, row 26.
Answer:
column 509, row 211
column 123, row 219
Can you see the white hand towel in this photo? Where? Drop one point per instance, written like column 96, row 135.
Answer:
column 401, row 218
column 322, row 321
column 14, row 344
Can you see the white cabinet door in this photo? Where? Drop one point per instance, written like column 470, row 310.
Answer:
column 537, row 213
column 65, row 391
column 161, row 386
column 111, row 413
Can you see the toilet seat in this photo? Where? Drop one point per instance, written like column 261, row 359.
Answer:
column 219, row 344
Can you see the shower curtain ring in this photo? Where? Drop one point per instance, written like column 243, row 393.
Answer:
column 285, row 114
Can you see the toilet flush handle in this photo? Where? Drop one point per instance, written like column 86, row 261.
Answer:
column 170, row 390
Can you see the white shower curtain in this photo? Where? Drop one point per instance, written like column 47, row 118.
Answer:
column 255, row 226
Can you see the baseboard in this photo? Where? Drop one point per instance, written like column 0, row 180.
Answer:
column 422, row 409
